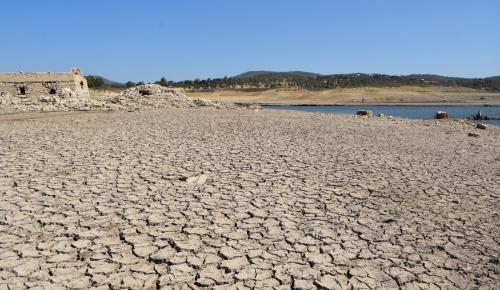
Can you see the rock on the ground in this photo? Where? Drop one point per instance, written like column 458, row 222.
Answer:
column 481, row 126
column 364, row 113
column 441, row 115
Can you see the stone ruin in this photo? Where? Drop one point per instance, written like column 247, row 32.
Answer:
column 35, row 84
column 46, row 91
column 69, row 92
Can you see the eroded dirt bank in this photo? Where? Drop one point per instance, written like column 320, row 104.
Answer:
column 193, row 198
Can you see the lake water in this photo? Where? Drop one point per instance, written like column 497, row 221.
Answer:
column 410, row 112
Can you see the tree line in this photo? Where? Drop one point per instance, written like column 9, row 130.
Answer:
column 316, row 82
column 337, row 81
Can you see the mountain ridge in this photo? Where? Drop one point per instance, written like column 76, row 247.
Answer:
column 259, row 73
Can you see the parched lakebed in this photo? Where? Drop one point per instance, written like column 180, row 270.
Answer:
column 241, row 199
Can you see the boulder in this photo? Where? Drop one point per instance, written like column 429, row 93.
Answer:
column 481, row 126
column 441, row 115
column 364, row 113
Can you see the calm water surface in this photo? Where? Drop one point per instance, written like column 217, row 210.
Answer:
column 410, row 112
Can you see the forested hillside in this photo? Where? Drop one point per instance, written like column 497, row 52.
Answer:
column 261, row 80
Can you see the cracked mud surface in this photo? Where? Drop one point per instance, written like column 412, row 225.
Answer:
column 183, row 198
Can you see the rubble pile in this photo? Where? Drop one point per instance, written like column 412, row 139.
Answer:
column 136, row 98
column 150, row 95
column 63, row 100
column 67, row 100
column 156, row 96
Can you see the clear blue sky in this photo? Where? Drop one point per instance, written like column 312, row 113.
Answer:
column 186, row 39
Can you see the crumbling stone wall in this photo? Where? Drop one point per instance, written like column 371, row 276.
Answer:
column 33, row 84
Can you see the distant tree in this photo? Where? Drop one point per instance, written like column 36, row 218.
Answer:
column 95, row 82
column 162, row 82
column 196, row 83
column 130, row 84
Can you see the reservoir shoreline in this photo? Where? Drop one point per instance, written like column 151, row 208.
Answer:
column 382, row 104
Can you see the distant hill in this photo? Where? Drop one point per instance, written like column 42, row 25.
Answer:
column 494, row 82
column 273, row 74
column 313, row 81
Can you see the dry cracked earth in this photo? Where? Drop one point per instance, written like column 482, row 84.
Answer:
column 240, row 199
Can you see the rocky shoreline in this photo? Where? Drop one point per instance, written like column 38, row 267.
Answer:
column 189, row 198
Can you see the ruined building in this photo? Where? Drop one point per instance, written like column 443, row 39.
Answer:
column 36, row 84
